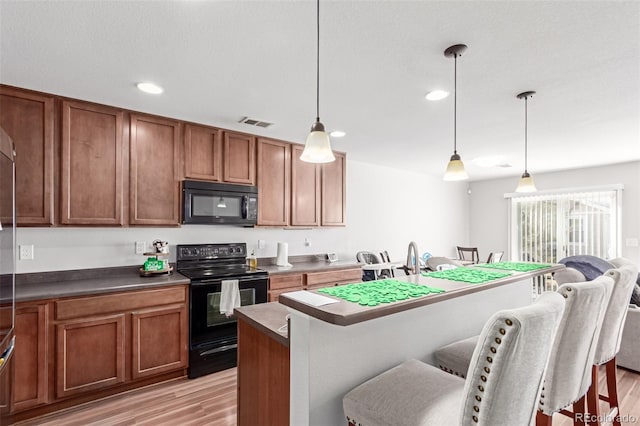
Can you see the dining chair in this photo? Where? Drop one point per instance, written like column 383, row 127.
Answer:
column 495, row 257
column 369, row 258
column 568, row 373
column 384, row 255
column 502, row 388
column 609, row 342
column 468, row 253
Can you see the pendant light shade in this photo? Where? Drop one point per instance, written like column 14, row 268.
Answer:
column 317, row 148
column 525, row 184
column 455, row 168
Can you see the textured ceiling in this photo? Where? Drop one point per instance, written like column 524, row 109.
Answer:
column 219, row 61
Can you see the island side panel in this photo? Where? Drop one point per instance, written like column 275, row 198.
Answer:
column 327, row 360
column 263, row 378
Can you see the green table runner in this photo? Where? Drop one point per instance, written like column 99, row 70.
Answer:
column 373, row 293
column 515, row 266
column 467, row 275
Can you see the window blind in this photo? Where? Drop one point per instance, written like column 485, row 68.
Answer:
column 549, row 227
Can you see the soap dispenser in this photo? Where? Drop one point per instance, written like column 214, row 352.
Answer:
column 252, row 261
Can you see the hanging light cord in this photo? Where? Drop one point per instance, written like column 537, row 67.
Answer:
column 525, row 133
column 455, row 99
column 318, row 62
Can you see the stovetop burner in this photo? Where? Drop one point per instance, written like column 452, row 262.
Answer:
column 208, row 261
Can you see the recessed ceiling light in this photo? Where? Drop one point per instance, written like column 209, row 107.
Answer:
column 490, row 161
column 436, row 95
column 150, row 88
column 337, row 134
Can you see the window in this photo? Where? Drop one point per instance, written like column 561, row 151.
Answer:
column 549, row 226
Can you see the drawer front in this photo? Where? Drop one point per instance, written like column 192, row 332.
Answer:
column 274, row 294
column 120, row 302
column 333, row 277
column 285, row 281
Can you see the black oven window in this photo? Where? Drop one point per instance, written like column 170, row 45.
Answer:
column 206, row 205
column 214, row 317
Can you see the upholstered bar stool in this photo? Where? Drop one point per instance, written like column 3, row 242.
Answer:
column 568, row 374
column 502, row 388
column 609, row 342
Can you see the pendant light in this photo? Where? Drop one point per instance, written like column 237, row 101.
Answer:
column 525, row 184
column 317, row 148
column 455, row 168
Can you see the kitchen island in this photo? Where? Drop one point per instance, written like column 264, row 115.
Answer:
column 335, row 347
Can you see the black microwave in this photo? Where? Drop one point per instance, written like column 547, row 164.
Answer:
column 219, row 203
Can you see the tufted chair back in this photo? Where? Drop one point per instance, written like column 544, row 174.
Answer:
column 568, row 374
column 611, row 333
column 508, row 364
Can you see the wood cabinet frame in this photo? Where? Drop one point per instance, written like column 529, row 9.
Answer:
column 67, row 215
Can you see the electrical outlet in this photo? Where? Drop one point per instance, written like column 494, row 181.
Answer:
column 141, row 247
column 26, row 252
column 307, row 242
column 261, row 244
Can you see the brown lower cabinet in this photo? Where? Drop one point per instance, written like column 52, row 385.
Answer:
column 73, row 350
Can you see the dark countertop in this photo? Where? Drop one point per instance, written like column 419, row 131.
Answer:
column 50, row 285
column 346, row 313
column 310, row 266
column 269, row 318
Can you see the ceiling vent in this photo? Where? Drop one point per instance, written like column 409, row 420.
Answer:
column 254, row 122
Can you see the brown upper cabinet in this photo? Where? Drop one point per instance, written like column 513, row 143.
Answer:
column 92, row 170
column 334, row 177
column 154, row 176
column 274, row 182
column 239, row 158
column 28, row 118
column 202, row 152
column 305, row 190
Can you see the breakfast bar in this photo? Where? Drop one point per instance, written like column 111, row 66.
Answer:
column 337, row 343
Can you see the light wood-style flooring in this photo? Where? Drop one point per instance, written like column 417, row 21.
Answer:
column 211, row 400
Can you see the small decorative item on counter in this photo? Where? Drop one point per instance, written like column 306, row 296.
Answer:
column 154, row 264
column 161, row 246
column 252, row 261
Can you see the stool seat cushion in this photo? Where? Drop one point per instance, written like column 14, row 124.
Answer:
column 455, row 358
column 411, row 394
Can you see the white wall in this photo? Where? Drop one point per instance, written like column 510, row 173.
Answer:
column 488, row 207
column 386, row 209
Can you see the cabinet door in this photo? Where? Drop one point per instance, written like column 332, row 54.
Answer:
column 305, row 190
column 90, row 354
column 239, row 158
column 334, row 192
column 202, row 152
column 154, row 171
column 28, row 119
column 91, row 184
column 159, row 341
column 274, row 180
column 30, row 385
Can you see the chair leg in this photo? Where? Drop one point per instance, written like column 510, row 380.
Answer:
column 578, row 411
column 612, row 389
column 593, row 398
column 543, row 419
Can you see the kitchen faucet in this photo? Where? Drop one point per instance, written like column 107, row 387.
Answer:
column 416, row 267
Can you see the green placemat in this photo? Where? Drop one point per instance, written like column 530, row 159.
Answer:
column 515, row 266
column 468, row 275
column 373, row 293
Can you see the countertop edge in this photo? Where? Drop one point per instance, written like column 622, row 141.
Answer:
column 251, row 315
column 393, row 308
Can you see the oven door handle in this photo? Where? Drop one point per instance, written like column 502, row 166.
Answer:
column 220, row 349
column 241, row 280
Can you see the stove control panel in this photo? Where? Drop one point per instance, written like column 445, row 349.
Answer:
column 211, row 251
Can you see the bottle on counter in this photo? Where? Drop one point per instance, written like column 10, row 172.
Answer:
column 252, row 261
